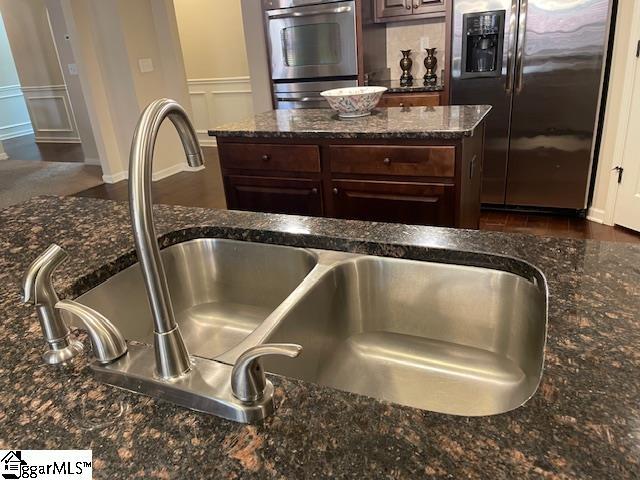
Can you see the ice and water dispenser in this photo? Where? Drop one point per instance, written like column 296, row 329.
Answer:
column 482, row 44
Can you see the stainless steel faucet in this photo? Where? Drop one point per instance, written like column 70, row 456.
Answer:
column 237, row 392
column 172, row 357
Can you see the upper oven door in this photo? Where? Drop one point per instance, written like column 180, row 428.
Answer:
column 313, row 41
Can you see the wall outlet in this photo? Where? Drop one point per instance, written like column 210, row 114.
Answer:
column 73, row 69
column 145, row 64
column 424, row 43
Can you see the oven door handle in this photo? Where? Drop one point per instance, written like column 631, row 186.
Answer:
column 276, row 14
column 299, row 99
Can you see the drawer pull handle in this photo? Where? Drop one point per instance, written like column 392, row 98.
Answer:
column 387, row 161
column 335, row 191
column 265, row 157
column 402, row 104
column 416, row 6
column 314, row 191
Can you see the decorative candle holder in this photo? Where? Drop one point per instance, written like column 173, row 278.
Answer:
column 406, row 63
column 430, row 63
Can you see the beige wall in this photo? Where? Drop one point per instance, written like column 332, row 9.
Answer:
column 409, row 35
column 30, row 36
column 212, row 38
column 615, row 105
column 109, row 38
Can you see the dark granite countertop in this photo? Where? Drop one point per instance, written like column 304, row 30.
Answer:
column 410, row 123
column 583, row 423
column 418, row 86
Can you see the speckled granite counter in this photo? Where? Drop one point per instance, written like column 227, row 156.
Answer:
column 418, row 86
column 417, row 123
column 582, row 423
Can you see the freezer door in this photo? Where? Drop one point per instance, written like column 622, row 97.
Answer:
column 487, row 90
column 559, row 62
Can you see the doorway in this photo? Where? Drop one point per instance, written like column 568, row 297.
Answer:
column 47, row 138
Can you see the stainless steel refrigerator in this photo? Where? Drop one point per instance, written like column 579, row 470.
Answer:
column 540, row 64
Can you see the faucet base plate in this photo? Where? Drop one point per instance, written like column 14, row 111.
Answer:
column 205, row 388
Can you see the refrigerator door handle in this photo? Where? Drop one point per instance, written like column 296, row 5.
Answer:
column 511, row 45
column 522, row 31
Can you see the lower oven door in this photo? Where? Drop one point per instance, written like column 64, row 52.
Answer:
column 306, row 94
column 313, row 41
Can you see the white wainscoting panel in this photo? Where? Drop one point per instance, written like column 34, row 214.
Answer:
column 14, row 117
column 219, row 100
column 51, row 114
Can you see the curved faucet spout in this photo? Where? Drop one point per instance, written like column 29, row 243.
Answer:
column 172, row 358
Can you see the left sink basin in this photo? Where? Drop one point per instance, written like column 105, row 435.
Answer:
column 221, row 291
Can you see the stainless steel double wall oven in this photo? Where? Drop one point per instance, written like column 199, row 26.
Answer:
column 312, row 47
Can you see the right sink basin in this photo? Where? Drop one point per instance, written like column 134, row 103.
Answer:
column 455, row 339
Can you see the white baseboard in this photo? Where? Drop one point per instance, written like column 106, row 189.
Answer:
column 159, row 175
column 116, row 177
column 209, row 142
column 4, row 156
column 595, row 215
column 92, row 161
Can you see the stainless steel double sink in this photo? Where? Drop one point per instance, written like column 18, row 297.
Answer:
column 456, row 339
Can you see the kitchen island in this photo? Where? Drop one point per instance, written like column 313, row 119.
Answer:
column 418, row 165
column 582, row 422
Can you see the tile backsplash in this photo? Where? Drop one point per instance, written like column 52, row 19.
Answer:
column 409, row 35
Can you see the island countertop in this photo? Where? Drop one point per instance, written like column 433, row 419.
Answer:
column 409, row 123
column 582, row 423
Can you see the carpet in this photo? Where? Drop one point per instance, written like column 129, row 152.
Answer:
column 22, row 179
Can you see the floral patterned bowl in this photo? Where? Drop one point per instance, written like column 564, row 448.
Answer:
column 354, row 101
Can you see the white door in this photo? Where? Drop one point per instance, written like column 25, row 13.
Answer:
column 627, row 210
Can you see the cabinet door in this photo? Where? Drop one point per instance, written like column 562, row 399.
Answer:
column 436, row 7
column 274, row 195
column 399, row 202
column 392, row 8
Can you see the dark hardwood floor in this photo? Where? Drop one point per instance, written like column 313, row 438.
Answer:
column 190, row 189
column 554, row 226
column 26, row 148
column 204, row 189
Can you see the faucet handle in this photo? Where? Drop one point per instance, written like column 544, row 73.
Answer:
column 107, row 341
column 247, row 377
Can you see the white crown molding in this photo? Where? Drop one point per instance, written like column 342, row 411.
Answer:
column 218, row 80
column 16, row 130
column 8, row 88
column 41, row 88
column 41, row 139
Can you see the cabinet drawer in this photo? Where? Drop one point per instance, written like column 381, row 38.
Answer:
column 393, row 160
column 274, row 195
column 258, row 156
column 410, row 203
column 410, row 100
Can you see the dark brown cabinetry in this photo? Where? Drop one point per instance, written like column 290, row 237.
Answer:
column 433, row 182
column 410, row 100
column 388, row 10
column 274, row 195
column 400, row 202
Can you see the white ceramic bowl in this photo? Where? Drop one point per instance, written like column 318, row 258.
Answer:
column 354, row 102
